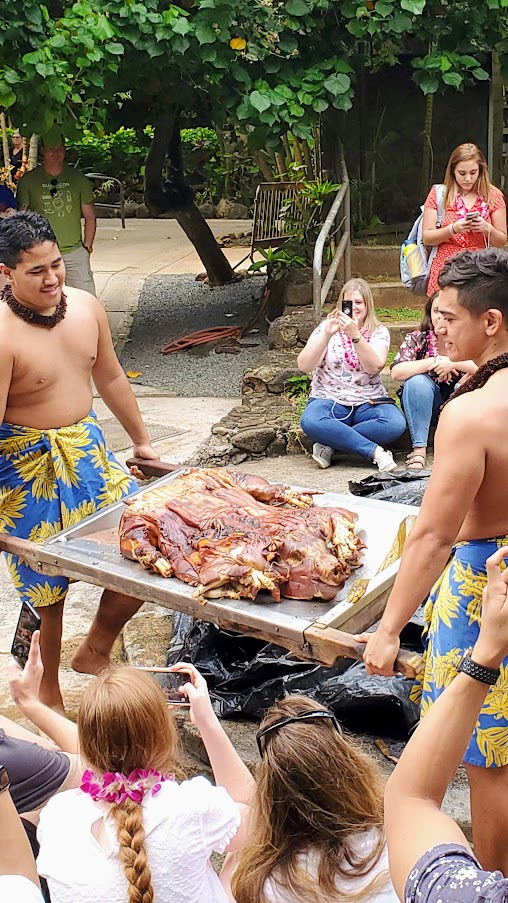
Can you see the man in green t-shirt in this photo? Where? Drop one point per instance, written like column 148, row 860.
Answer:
column 63, row 195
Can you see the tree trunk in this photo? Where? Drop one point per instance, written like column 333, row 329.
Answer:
column 426, row 174
column 263, row 166
column 32, row 153
column 175, row 197
column 5, row 143
column 497, row 104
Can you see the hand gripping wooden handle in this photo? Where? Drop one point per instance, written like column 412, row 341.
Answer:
column 153, row 468
column 328, row 644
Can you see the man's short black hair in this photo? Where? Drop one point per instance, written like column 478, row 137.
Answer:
column 480, row 278
column 21, row 232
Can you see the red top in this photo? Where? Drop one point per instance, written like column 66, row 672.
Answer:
column 468, row 241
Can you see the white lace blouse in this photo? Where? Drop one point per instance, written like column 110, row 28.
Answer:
column 184, row 824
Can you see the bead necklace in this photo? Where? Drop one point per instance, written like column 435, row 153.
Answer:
column 31, row 316
column 350, row 355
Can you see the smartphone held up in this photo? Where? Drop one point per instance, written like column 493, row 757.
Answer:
column 171, row 682
column 28, row 622
column 347, row 307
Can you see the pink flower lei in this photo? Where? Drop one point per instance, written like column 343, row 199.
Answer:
column 480, row 205
column 350, row 356
column 432, row 349
column 113, row 787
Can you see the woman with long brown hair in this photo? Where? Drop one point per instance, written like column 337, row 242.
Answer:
column 133, row 833
column 474, row 211
column 316, row 831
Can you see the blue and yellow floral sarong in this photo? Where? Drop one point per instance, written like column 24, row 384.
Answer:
column 453, row 617
column 50, row 480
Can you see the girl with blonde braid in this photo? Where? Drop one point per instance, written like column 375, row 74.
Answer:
column 132, row 833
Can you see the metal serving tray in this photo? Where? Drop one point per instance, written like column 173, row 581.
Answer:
column 90, row 552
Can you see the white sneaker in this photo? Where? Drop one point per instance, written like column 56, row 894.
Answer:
column 384, row 460
column 322, row 454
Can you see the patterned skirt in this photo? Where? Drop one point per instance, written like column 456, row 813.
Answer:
column 50, row 480
column 453, row 618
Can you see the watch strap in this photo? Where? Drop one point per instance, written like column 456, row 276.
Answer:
column 356, row 340
column 478, row 672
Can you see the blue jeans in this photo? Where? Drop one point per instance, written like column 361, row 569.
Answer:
column 422, row 399
column 359, row 428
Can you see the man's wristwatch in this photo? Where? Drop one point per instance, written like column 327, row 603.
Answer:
column 478, row 672
column 4, row 779
column 356, row 340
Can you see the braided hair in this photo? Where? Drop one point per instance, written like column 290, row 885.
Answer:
column 479, row 379
column 128, row 817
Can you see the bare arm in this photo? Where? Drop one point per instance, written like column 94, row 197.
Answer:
column 458, row 473
column 16, row 857
column 228, row 769
column 311, row 356
column 493, row 231
column 25, row 685
column 114, row 389
column 6, row 368
column 431, row 235
column 407, row 369
column 88, row 214
column 415, row 791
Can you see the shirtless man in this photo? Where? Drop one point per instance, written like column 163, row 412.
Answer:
column 462, row 521
column 54, row 466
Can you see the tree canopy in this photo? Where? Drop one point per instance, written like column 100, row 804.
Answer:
column 269, row 65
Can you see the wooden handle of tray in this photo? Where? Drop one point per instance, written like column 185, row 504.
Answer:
column 153, row 468
column 329, row 644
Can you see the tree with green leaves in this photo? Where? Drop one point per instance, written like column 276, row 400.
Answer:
column 272, row 68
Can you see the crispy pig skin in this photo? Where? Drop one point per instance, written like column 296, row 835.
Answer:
column 233, row 535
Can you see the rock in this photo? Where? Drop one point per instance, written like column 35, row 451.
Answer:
column 270, row 373
column 239, row 458
column 208, row 210
column 299, row 295
column 277, row 447
column 292, row 330
column 227, row 209
column 131, row 208
column 142, row 212
column 254, row 441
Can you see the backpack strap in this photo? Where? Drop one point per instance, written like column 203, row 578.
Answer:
column 440, row 196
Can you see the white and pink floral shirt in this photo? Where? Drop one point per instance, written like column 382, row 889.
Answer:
column 335, row 380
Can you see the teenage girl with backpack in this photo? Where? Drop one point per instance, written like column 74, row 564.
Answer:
column 474, row 211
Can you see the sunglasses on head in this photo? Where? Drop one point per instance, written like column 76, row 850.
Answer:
column 53, row 190
column 318, row 715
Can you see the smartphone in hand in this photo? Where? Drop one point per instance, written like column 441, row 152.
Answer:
column 171, row 681
column 472, row 215
column 28, row 622
column 347, row 307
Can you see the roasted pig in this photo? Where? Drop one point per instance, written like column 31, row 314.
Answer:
column 231, row 535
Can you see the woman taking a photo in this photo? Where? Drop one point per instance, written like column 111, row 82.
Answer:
column 474, row 211
column 316, row 832
column 429, row 378
column 349, row 409
column 133, row 833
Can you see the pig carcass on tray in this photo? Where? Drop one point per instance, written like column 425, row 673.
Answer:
column 231, row 535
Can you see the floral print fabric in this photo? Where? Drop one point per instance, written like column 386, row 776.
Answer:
column 50, row 480
column 450, row 874
column 453, row 616
column 416, row 347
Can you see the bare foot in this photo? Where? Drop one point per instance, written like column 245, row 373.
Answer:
column 88, row 661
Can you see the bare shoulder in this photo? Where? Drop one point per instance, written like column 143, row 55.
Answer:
column 79, row 300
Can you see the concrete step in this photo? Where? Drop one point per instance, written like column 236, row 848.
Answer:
column 368, row 262
column 398, row 330
column 393, row 294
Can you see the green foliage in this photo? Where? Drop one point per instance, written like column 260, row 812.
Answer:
column 277, row 261
column 399, row 313
column 296, row 386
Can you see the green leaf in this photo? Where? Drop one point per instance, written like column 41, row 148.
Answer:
column 284, row 91
column 104, row 30
column 357, row 28
column 7, row 98
column 342, row 102
column 401, row 24
column 180, row 43
column 468, row 61
column 57, row 41
column 181, row 25
column 337, row 84
column 259, row 101
column 297, row 8
column 116, row 49
column 383, row 8
column 296, row 110
column 413, row 6
column 288, row 44
column 272, row 66
column 204, row 34
column 208, row 54
column 320, row 105
column 244, row 110
column 481, row 75
column 33, row 14
column 428, row 83
column 453, row 78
